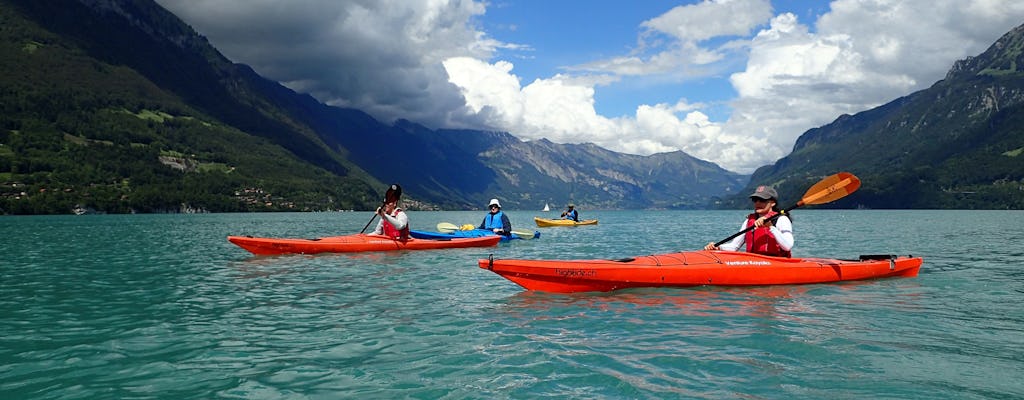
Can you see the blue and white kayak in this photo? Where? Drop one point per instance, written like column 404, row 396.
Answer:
column 471, row 233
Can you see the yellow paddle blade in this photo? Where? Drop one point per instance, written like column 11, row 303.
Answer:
column 831, row 189
column 524, row 234
column 467, row 227
column 447, row 227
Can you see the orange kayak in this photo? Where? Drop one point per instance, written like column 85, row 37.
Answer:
column 353, row 243
column 546, row 222
column 694, row 268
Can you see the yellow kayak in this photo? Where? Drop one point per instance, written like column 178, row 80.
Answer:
column 543, row 222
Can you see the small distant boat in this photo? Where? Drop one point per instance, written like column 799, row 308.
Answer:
column 546, row 208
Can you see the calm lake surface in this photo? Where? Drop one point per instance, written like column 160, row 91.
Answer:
column 162, row 306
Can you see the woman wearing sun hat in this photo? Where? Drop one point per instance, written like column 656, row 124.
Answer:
column 768, row 238
column 496, row 221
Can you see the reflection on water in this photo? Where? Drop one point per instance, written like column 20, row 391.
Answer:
column 705, row 302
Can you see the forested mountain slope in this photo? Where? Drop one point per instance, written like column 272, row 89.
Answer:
column 958, row 144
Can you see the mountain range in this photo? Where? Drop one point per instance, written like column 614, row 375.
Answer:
column 118, row 106
column 955, row 145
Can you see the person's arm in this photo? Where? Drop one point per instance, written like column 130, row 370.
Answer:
column 782, row 229
column 506, row 225
column 379, row 230
column 399, row 221
column 483, row 224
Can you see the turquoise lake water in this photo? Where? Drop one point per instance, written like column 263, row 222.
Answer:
column 162, row 306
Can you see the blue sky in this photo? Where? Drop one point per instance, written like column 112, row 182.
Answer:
column 734, row 82
column 563, row 36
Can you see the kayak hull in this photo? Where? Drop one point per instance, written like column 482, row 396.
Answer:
column 418, row 234
column 545, row 222
column 694, row 268
column 352, row 244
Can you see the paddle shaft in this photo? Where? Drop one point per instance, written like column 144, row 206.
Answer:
column 372, row 217
column 448, row 227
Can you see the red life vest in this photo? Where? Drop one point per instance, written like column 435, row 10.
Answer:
column 390, row 231
column 761, row 241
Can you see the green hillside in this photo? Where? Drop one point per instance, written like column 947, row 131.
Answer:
column 100, row 136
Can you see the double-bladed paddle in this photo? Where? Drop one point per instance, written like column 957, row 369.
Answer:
column 448, row 227
column 394, row 193
column 830, row 189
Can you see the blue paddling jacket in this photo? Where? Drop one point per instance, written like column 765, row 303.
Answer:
column 495, row 221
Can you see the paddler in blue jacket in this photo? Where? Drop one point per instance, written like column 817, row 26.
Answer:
column 571, row 213
column 496, row 221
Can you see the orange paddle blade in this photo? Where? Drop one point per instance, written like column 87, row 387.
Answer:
column 831, row 189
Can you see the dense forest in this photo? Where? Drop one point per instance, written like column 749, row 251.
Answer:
column 101, row 138
column 115, row 160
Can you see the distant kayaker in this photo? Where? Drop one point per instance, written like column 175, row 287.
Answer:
column 571, row 213
column 496, row 221
column 767, row 238
column 394, row 223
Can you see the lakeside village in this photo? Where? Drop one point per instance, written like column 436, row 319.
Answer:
column 252, row 197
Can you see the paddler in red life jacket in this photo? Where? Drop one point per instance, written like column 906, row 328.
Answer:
column 394, row 223
column 770, row 239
